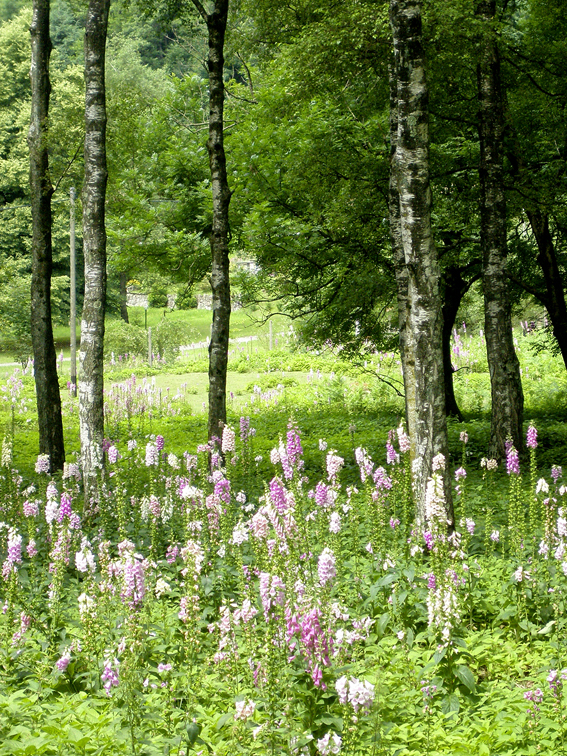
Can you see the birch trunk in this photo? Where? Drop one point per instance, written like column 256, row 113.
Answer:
column 506, row 384
column 401, row 271
column 45, row 360
column 91, row 405
column 423, row 320
column 220, row 284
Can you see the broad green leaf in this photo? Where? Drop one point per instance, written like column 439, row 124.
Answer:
column 464, row 674
column 450, row 704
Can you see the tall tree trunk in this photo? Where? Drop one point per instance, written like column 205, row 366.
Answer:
column 220, row 283
column 91, row 406
column 423, row 331
column 401, row 271
column 41, row 190
column 122, row 281
column 454, row 288
column 555, row 295
column 506, row 385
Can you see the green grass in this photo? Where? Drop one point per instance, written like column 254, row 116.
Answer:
column 244, row 323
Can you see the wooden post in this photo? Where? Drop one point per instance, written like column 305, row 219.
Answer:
column 150, row 356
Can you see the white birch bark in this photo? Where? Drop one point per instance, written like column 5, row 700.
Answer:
column 422, row 339
column 91, row 384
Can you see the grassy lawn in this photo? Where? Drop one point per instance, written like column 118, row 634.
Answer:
column 242, row 323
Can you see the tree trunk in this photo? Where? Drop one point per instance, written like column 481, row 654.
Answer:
column 423, row 319
column 91, row 405
column 41, row 191
column 506, row 385
column 220, row 284
column 454, row 289
column 555, row 295
column 122, row 281
column 401, row 271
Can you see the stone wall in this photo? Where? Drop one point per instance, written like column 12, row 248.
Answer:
column 136, row 299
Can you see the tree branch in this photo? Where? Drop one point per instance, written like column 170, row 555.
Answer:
column 530, row 289
column 201, row 10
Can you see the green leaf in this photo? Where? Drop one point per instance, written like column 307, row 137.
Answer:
column 439, row 654
column 409, row 573
column 383, row 623
column 385, row 581
column 73, row 735
column 547, row 629
column 193, row 731
column 464, row 674
column 223, row 720
column 450, row 704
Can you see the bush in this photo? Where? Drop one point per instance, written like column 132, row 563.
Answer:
column 169, row 335
column 185, row 300
column 124, row 338
column 158, row 294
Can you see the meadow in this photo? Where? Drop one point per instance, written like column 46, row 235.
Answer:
column 287, row 602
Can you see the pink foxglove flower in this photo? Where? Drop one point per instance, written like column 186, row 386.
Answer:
column 64, row 661
column 244, row 709
column 110, row 674
column 334, row 465
column 403, row 440
column 152, row 455
column 512, row 462
column 112, row 454
column 326, row 568
column 335, row 523
column 531, row 438
column 330, row 744
column 228, row 443
column 42, row 464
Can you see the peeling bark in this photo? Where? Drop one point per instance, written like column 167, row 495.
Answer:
column 220, row 283
column 421, row 314
column 91, row 405
column 45, row 360
column 504, row 367
column 401, row 271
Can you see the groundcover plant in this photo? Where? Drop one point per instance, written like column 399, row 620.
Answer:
column 177, row 615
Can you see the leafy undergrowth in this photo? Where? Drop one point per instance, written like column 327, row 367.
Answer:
column 288, row 603
column 182, row 614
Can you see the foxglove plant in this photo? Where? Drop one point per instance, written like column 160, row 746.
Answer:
column 193, row 557
column 443, row 606
column 356, row 698
column 534, row 504
column 404, row 479
column 515, row 506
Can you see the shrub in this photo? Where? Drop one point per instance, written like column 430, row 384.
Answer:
column 169, row 335
column 124, row 338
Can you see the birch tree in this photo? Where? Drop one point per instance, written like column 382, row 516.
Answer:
column 416, row 258
column 216, row 22
column 45, row 361
column 504, row 367
column 91, row 412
